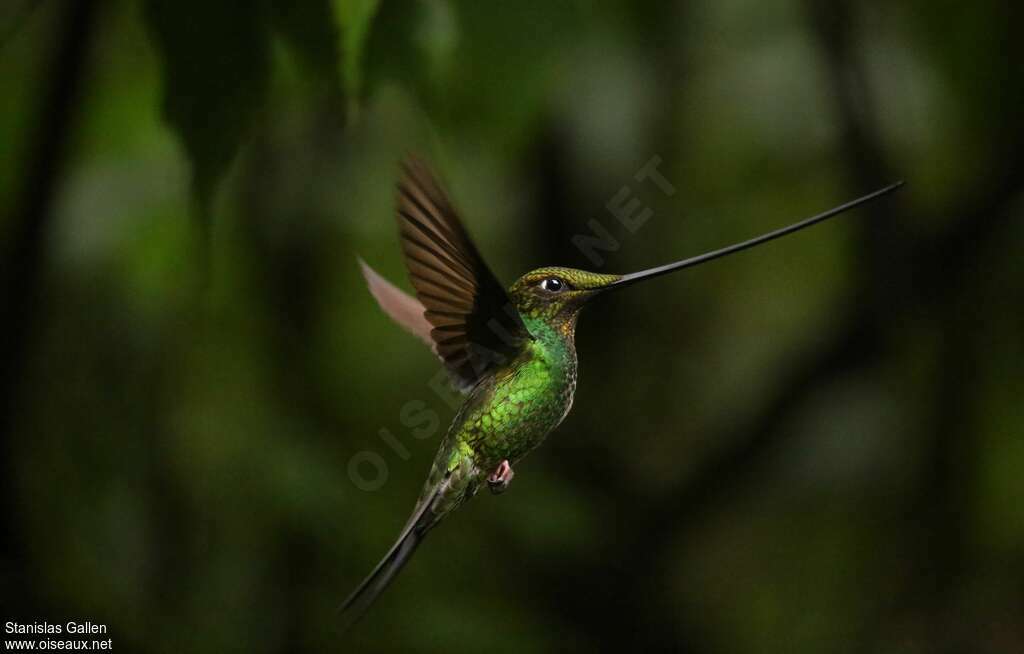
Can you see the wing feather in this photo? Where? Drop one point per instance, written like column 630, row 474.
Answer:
column 401, row 307
column 461, row 310
column 471, row 314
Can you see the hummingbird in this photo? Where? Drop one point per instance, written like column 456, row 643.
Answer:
column 511, row 353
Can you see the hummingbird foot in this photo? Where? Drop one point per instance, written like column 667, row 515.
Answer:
column 501, row 478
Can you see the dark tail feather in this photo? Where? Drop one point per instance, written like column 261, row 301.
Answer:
column 378, row 580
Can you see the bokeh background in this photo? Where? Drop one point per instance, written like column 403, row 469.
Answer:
column 816, row 446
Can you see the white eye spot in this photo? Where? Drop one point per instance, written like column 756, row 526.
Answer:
column 552, row 284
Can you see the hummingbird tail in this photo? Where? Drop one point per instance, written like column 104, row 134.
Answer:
column 377, row 581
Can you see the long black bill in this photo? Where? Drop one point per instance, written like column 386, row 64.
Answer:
column 632, row 278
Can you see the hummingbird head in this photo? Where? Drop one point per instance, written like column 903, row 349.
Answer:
column 555, row 294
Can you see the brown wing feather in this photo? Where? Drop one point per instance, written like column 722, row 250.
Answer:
column 475, row 326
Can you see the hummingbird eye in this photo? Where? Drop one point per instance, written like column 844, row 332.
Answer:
column 552, row 284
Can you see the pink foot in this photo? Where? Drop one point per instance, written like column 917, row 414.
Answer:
column 501, row 478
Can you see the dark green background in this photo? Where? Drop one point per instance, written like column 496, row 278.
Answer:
column 816, row 446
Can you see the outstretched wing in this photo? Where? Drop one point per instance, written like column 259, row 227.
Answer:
column 475, row 325
column 401, row 307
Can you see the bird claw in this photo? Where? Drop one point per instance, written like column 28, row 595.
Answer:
column 501, row 478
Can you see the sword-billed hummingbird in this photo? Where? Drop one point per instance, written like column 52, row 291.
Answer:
column 511, row 353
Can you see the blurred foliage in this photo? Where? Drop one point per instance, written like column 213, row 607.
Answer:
column 215, row 58
column 814, row 446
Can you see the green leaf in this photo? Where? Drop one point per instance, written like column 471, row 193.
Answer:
column 215, row 71
column 309, row 30
column 355, row 18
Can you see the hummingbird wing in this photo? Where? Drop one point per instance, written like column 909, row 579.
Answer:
column 475, row 326
column 401, row 307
